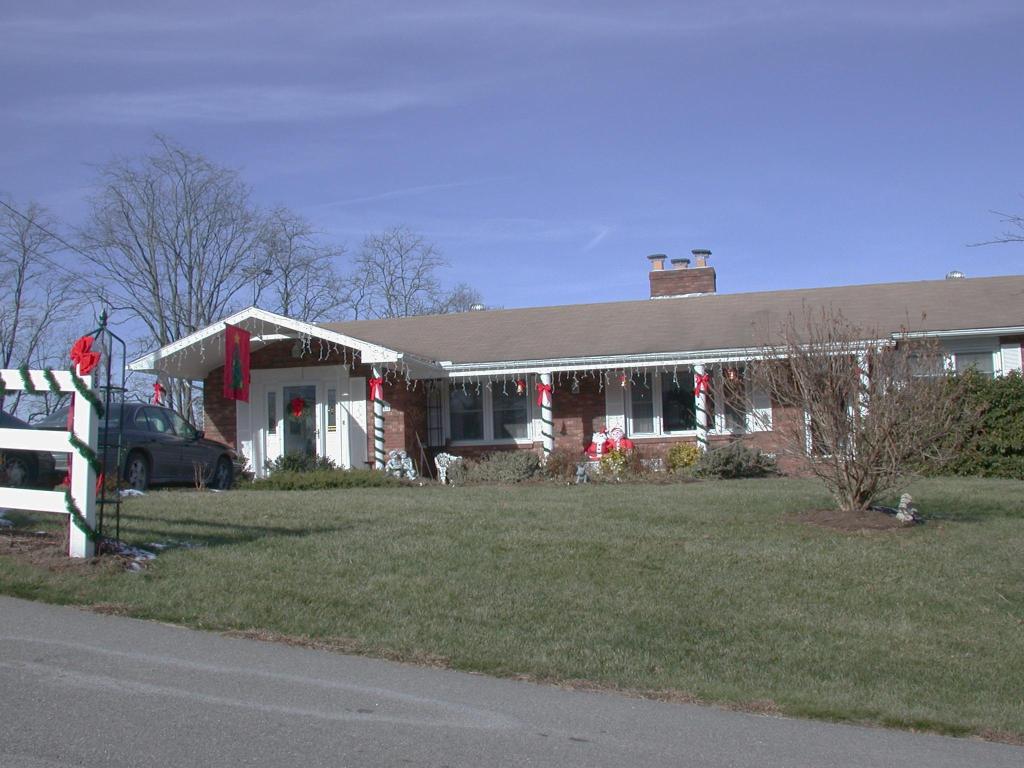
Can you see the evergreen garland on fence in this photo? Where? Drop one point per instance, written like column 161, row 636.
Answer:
column 79, row 445
column 26, row 380
column 78, row 518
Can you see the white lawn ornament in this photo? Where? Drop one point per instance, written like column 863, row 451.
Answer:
column 442, row 461
column 400, row 465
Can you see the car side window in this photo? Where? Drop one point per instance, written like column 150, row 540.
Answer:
column 158, row 421
column 139, row 421
column 182, row 427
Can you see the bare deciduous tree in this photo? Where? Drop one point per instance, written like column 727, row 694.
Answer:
column 395, row 274
column 299, row 277
column 175, row 238
column 36, row 300
column 864, row 410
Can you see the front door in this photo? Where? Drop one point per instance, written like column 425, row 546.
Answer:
column 301, row 435
column 301, row 411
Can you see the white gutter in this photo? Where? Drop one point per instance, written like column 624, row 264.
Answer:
column 1012, row 330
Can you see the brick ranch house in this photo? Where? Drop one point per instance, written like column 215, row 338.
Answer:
column 468, row 383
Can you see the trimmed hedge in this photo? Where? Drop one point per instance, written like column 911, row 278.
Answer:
column 322, row 479
column 734, row 460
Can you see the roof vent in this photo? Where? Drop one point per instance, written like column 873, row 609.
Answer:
column 477, row 307
column 956, row 274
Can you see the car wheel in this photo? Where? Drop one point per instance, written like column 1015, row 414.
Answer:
column 136, row 472
column 18, row 471
column 222, row 474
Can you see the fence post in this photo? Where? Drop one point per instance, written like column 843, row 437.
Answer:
column 83, row 478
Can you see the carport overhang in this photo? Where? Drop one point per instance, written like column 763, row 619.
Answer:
column 195, row 355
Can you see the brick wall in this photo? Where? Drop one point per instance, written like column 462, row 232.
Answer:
column 681, row 281
column 219, row 422
column 577, row 416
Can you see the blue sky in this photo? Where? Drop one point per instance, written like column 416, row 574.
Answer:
column 548, row 147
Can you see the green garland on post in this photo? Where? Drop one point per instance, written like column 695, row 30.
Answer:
column 86, row 452
column 78, row 518
column 87, row 393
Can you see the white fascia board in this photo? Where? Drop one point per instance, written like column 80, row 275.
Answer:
column 370, row 353
column 1011, row 330
column 458, row 370
column 652, row 359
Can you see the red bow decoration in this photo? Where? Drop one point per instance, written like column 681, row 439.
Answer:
column 297, row 405
column 701, row 383
column 159, row 390
column 543, row 391
column 83, row 357
column 376, row 389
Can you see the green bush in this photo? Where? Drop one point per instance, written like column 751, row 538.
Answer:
column 734, row 460
column 300, row 462
column 561, row 464
column 322, row 479
column 994, row 446
column 682, row 456
column 499, row 467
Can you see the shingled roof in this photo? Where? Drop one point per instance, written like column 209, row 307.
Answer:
column 688, row 324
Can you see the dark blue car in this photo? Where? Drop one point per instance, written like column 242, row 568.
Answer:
column 157, row 446
column 24, row 469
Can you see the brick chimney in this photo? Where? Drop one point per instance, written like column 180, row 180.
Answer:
column 682, row 279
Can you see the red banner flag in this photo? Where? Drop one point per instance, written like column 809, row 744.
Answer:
column 236, row 364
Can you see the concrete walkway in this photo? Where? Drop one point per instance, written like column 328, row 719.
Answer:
column 79, row 689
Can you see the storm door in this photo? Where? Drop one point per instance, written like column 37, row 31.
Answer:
column 300, row 427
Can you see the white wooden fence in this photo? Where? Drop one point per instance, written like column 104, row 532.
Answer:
column 83, row 478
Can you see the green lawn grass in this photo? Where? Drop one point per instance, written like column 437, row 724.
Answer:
column 707, row 590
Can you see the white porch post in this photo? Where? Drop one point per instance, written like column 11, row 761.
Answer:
column 865, row 383
column 378, row 424
column 701, row 407
column 547, row 423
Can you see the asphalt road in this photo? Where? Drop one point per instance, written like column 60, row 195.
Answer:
column 80, row 689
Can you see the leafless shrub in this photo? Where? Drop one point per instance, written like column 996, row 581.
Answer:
column 864, row 410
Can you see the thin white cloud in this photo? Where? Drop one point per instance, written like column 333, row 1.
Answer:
column 403, row 192
column 595, row 241
column 232, row 104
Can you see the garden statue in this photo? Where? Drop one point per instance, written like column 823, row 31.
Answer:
column 598, row 446
column 618, row 441
column 581, row 474
column 906, row 513
column 442, row 461
column 400, row 465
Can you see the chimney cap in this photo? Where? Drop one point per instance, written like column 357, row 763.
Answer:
column 680, row 262
column 701, row 252
column 657, row 257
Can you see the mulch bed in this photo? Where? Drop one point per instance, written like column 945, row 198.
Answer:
column 49, row 549
column 852, row 522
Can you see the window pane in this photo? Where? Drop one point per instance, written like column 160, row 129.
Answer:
column 642, row 406
column 678, row 406
column 332, row 410
column 734, row 390
column 979, row 361
column 467, row 413
column 510, row 414
column 271, row 413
